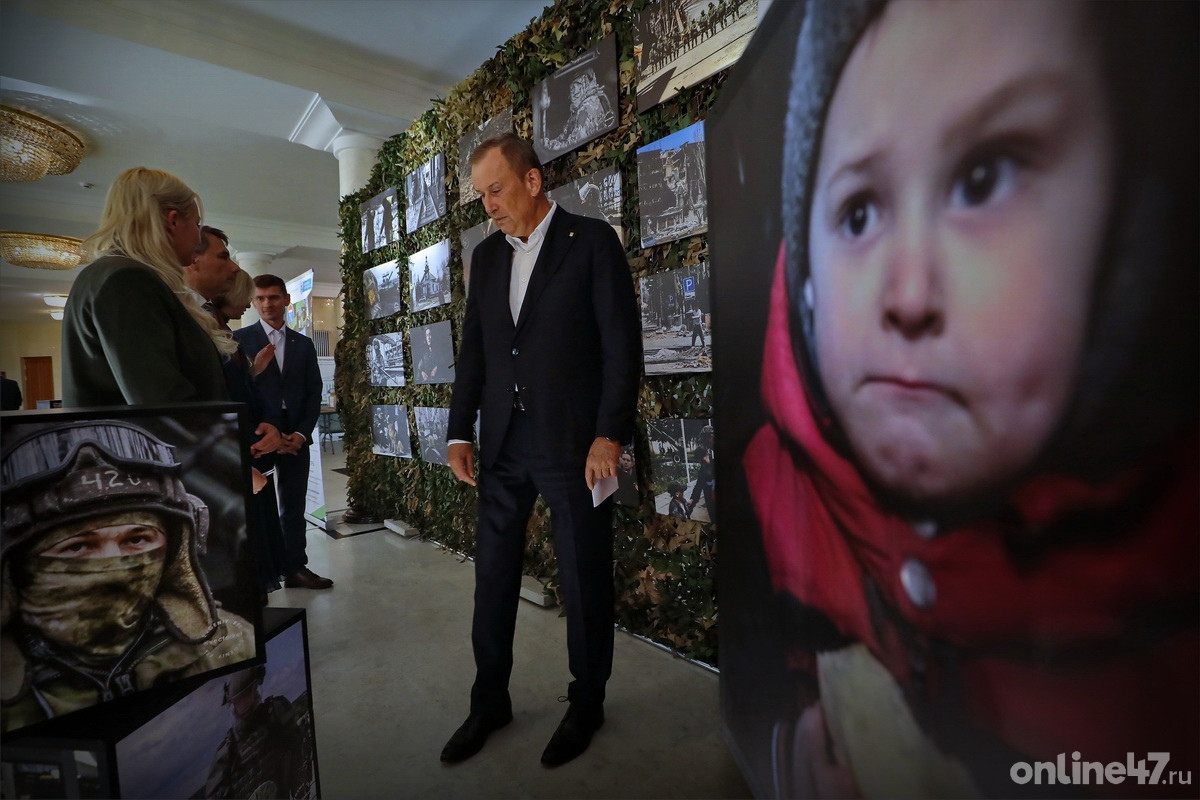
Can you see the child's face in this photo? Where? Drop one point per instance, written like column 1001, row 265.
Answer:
column 960, row 202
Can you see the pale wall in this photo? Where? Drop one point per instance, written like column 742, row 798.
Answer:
column 24, row 339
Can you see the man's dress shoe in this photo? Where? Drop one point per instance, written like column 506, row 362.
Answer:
column 573, row 736
column 305, row 578
column 470, row 736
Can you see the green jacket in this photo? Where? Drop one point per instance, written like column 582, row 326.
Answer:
column 128, row 340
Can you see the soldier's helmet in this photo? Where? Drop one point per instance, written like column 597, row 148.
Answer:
column 242, row 682
column 69, row 473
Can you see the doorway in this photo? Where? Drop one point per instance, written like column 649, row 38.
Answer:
column 37, row 379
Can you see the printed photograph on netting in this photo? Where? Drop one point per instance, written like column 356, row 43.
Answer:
column 389, row 431
column 673, row 187
column 381, row 288
column 470, row 239
column 432, row 353
column 126, row 562
column 677, row 320
column 501, row 123
column 597, row 195
column 577, row 103
column 682, row 467
column 431, row 433
column 678, row 43
column 425, row 193
column 956, row 399
column 249, row 734
column 385, row 359
column 429, row 276
column 628, row 491
column 380, row 220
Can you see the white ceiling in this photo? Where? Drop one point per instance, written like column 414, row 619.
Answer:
column 240, row 98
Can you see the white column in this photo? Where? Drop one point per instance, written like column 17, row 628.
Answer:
column 356, row 154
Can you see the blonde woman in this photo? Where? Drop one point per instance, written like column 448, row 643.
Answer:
column 132, row 332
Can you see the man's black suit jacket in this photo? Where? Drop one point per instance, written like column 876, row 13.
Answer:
column 575, row 351
column 298, row 385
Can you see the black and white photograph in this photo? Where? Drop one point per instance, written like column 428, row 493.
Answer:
column 425, row 193
column 249, row 734
column 677, row 321
column 429, row 276
column 470, row 239
column 682, row 467
column 628, row 493
column 380, row 220
column 672, row 187
column 432, row 353
column 431, row 433
column 501, row 123
column 597, row 195
column 385, row 359
column 126, row 563
column 678, row 43
column 389, row 431
column 381, row 287
column 577, row 103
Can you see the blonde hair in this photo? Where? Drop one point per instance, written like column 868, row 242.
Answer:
column 240, row 293
column 132, row 226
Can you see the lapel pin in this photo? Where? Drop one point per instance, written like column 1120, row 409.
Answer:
column 569, row 235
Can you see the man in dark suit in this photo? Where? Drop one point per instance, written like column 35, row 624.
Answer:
column 291, row 387
column 550, row 357
column 10, row 394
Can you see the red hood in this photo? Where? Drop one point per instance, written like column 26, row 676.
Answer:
column 1091, row 583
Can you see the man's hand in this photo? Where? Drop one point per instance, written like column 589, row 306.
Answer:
column 270, row 441
column 601, row 460
column 291, row 443
column 263, row 358
column 461, row 456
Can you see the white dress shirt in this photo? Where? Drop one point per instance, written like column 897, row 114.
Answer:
column 525, row 255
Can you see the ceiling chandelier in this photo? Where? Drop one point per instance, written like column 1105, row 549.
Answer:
column 40, row 250
column 32, row 148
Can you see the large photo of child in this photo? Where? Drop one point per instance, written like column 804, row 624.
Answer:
column 972, row 463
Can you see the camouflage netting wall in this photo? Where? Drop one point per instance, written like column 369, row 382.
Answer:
column 665, row 567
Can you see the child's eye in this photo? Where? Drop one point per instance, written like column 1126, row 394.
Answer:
column 984, row 179
column 858, row 215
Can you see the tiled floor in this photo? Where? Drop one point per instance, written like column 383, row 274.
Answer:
column 392, row 668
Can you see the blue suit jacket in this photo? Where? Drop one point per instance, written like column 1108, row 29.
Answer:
column 298, row 386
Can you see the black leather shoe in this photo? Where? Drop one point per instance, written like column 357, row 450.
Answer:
column 470, row 736
column 305, row 578
column 573, row 736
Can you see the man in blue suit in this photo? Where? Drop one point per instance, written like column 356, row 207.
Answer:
column 550, row 357
column 291, row 387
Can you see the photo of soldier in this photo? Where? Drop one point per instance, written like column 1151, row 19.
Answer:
column 429, row 276
column 380, row 220
column 433, row 353
column 501, row 123
column 672, row 179
column 246, row 734
column 577, row 103
column 597, row 195
column 381, row 288
column 678, row 43
column 425, row 193
column 268, row 752
column 123, row 561
column 385, row 359
column 431, row 433
column 628, row 493
column 676, row 318
column 681, row 455
column 389, row 431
